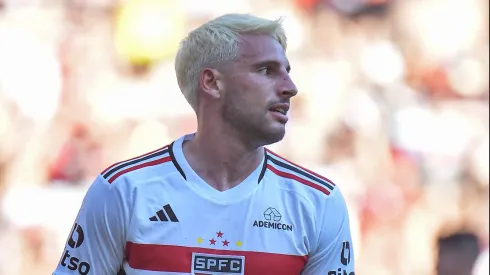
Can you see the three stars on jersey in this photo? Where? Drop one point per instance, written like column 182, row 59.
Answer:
column 218, row 241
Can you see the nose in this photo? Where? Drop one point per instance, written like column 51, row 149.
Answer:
column 288, row 89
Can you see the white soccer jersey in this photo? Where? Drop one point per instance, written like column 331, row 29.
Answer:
column 153, row 215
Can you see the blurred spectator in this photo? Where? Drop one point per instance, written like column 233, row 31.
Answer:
column 341, row 145
column 71, row 165
column 10, row 259
column 457, row 254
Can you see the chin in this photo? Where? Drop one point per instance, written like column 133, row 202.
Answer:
column 273, row 135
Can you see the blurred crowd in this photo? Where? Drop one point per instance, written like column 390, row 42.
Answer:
column 393, row 107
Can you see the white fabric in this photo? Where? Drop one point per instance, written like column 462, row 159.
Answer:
column 307, row 233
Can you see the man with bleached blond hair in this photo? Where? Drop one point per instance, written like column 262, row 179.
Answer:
column 217, row 201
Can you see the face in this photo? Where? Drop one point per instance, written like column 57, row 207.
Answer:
column 257, row 90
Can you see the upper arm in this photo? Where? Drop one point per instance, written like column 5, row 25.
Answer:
column 96, row 242
column 333, row 252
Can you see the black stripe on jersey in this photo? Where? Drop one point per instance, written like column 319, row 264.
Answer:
column 170, row 213
column 300, row 172
column 162, row 216
column 172, row 157
column 122, row 165
column 264, row 167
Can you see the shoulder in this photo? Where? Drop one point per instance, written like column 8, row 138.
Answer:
column 137, row 170
column 293, row 177
column 118, row 182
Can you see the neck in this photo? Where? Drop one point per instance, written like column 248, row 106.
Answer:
column 220, row 157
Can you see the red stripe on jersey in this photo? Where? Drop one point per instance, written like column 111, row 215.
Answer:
column 296, row 178
column 117, row 163
column 307, row 170
column 171, row 258
column 139, row 166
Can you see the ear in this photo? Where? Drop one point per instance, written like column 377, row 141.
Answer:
column 209, row 82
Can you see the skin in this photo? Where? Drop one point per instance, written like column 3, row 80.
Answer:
column 234, row 121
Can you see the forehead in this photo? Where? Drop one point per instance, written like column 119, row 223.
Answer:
column 258, row 48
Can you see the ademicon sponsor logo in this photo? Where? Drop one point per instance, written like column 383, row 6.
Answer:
column 272, row 220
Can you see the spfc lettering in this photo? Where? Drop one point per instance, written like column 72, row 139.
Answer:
column 208, row 264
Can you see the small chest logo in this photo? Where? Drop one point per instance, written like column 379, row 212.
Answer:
column 165, row 214
column 208, row 264
column 272, row 219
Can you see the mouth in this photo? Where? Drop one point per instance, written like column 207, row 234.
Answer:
column 281, row 108
column 279, row 112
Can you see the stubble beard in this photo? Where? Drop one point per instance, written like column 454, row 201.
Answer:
column 251, row 126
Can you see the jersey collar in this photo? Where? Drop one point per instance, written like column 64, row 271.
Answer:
column 244, row 189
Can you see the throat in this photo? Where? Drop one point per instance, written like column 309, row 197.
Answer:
column 223, row 176
column 225, row 180
column 220, row 170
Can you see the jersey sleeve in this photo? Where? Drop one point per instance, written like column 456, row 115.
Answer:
column 96, row 242
column 333, row 253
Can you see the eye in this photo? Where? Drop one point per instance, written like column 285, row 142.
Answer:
column 265, row 70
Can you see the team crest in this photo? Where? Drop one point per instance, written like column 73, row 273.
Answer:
column 209, row 264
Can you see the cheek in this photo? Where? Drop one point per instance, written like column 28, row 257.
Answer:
column 249, row 95
column 254, row 103
column 259, row 93
column 247, row 108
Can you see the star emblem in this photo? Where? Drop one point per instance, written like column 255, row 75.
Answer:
column 212, row 242
column 239, row 243
column 199, row 240
column 225, row 243
column 219, row 234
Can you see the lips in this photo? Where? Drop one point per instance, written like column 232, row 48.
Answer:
column 281, row 108
column 279, row 112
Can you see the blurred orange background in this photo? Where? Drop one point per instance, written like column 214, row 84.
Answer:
column 393, row 107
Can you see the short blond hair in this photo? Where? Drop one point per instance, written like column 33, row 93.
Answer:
column 215, row 42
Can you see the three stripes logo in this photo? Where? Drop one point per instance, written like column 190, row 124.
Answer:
column 165, row 214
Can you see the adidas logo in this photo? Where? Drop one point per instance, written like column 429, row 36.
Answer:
column 165, row 215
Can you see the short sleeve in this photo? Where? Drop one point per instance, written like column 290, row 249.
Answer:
column 333, row 253
column 97, row 239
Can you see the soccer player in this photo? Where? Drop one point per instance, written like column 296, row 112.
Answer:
column 216, row 201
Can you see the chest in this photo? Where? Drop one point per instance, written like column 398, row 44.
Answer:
column 191, row 235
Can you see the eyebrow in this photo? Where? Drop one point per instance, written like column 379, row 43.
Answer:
column 274, row 63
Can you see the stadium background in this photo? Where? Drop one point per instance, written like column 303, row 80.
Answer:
column 393, row 107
